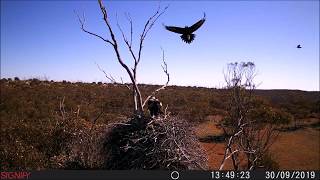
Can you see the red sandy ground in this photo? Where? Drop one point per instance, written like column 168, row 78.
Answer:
column 293, row 150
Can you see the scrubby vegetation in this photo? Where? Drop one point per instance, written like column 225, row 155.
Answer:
column 35, row 135
column 250, row 122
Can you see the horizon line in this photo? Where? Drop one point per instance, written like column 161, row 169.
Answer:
column 149, row 84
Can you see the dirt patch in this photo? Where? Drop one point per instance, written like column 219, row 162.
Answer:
column 294, row 150
column 209, row 127
column 298, row 149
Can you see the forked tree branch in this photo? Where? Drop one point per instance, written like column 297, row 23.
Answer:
column 138, row 107
column 132, row 72
column 111, row 78
column 131, row 29
column 82, row 22
column 165, row 70
column 114, row 41
column 129, row 44
column 148, row 26
column 228, row 151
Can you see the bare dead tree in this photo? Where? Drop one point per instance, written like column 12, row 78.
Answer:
column 251, row 132
column 132, row 72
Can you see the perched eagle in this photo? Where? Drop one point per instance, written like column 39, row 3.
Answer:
column 186, row 32
column 299, row 46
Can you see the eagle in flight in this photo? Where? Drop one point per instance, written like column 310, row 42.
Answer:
column 187, row 31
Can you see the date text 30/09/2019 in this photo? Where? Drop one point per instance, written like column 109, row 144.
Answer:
column 264, row 175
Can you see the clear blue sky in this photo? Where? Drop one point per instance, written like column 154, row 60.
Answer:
column 43, row 39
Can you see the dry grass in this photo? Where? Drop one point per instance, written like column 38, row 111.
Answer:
column 33, row 133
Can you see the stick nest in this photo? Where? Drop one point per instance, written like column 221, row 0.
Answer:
column 159, row 143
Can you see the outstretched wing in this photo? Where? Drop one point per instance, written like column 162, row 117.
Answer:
column 176, row 29
column 198, row 24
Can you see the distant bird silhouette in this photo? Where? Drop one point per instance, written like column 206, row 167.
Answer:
column 299, row 46
column 186, row 32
